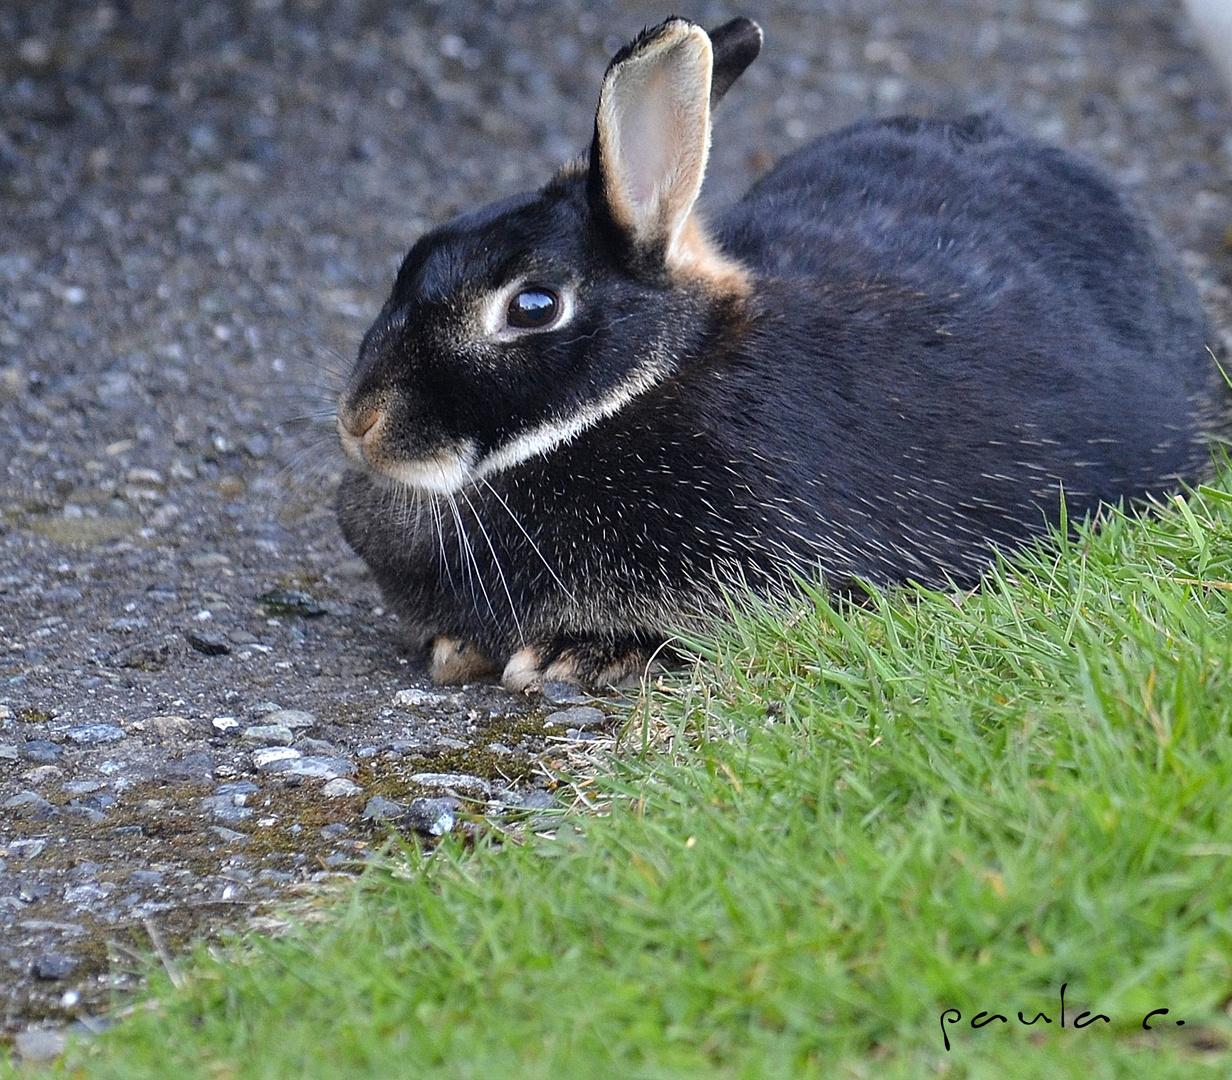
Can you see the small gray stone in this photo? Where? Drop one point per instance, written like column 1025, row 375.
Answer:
column 292, row 718
column 93, row 816
column 209, row 644
column 237, row 787
column 84, row 894
column 563, row 693
column 228, row 836
column 273, row 758
column 95, row 734
column 197, row 767
column 380, row 808
column 415, row 697
column 332, row 832
column 318, row 768
column 537, row 800
column 226, row 809
column 295, row 602
column 40, row 1044
column 8, row 752
column 431, row 817
column 42, row 751
column 30, row 806
column 146, row 877
column 268, row 735
column 257, row 446
column 83, row 787
column 340, row 788
column 580, row 716
column 463, row 782
column 53, row 966
column 27, row 849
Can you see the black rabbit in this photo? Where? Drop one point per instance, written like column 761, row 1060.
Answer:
column 581, row 416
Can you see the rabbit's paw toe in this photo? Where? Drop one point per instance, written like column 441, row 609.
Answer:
column 522, row 673
column 584, row 662
column 454, row 661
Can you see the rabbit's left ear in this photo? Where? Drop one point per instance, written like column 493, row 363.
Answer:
column 652, row 138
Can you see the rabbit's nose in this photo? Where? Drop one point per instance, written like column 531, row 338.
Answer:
column 357, row 423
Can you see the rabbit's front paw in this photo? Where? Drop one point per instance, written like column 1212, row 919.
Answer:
column 451, row 661
column 584, row 661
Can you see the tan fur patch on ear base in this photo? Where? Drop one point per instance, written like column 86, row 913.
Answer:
column 653, row 129
column 695, row 257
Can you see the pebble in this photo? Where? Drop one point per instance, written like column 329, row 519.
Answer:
column 83, row 787
column 268, row 760
column 40, row 1044
column 146, row 877
column 340, row 788
column 268, row 735
column 537, row 800
column 463, row 782
column 197, row 767
column 332, row 832
column 54, row 966
column 318, row 768
column 415, row 697
column 563, row 693
column 27, row 849
column 580, row 716
column 30, row 806
column 237, row 787
column 380, row 808
column 84, row 894
column 8, row 752
column 169, row 728
column 292, row 718
column 227, row 808
column 95, row 734
column 292, row 602
column 93, row 816
column 207, row 643
column 42, row 751
column 228, row 836
column 432, row 817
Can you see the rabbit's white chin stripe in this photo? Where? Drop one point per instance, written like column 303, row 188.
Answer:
column 552, row 433
column 441, row 474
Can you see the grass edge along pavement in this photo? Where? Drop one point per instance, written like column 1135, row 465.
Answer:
column 846, row 823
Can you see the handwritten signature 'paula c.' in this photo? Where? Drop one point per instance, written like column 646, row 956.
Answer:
column 1084, row 1019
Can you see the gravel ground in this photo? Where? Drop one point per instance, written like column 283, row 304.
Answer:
column 204, row 205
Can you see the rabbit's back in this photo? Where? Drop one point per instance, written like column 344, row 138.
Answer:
column 964, row 325
column 969, row 212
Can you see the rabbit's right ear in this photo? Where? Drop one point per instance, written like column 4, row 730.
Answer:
column 652, row 138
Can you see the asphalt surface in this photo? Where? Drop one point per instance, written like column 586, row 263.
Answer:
column 203, row 206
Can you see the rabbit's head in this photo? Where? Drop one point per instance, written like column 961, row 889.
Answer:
column 511, row 329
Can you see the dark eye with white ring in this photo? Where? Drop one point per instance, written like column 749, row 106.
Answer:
column 533, row 308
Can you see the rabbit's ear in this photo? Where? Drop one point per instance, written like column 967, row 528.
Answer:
column 736, row 45
column 652, row 137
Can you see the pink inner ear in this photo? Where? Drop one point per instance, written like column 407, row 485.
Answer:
column 647, row 132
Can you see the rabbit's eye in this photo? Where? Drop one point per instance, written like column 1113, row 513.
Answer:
column 533, row 309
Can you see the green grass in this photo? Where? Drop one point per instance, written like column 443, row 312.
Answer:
column 847, row 823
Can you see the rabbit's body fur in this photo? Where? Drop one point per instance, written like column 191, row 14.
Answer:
column 894, row 353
